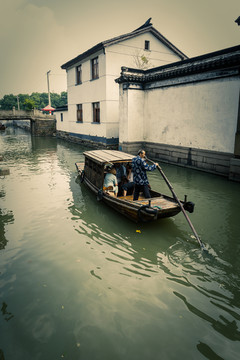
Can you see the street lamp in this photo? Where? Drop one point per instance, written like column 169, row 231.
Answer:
column 49, row 99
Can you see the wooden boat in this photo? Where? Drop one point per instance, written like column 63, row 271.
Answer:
column 92, row 173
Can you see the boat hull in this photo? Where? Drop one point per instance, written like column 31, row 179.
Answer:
column 142, row 210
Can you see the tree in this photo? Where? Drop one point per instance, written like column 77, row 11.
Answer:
column 64, row 99
column 29, row 104
column 37, row 100
column 8, row 101
column 22, row 98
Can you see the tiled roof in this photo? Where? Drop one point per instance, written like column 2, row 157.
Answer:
column 61, row 108
column 226, row 58
column 147, row 27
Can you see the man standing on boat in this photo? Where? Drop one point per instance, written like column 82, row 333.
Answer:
column 139, row 168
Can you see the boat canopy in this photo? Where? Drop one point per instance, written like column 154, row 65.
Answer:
column 108, row 156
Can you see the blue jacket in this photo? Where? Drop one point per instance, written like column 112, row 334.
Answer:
column 139, row 168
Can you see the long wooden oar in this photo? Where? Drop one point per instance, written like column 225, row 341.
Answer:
column 180, row 204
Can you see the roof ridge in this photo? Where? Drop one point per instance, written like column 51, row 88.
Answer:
column 147, row 26
column 226, row 58
column 147, row 23
column 138, row 30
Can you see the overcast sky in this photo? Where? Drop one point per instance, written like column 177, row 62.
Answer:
column 41, row 35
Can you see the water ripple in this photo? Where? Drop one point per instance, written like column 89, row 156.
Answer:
column 72, row 270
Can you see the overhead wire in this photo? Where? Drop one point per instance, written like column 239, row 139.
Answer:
column 139, row 48
column 139, row 56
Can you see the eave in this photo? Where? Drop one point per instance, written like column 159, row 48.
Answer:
column 102, row 45
column 227, row 58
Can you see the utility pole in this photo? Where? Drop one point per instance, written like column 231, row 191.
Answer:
column 49, row 99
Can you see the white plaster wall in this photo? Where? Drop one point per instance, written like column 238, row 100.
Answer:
column 87, row 127
column 112, row 107
column 133, row 129
column 201, row 115
column 86, row 70
column 86, row 93
column 104, row 89
column 123, row 114
column 112, row 119
column 62, row 125
column 125, row 52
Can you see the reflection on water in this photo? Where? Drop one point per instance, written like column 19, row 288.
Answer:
column 207, row 352
column 6, row 314
column 79, row 281
column 5, row 218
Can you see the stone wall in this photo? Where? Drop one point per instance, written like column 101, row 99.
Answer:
column 234, row 172
column 40, row 127
column 185, row 113
column 78, row 139
column 205, row 160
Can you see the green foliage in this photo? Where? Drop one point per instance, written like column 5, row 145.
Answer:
column 29, row 104
column 141, row 60
column 144, row 60
column 37, row 100
column 7, row 102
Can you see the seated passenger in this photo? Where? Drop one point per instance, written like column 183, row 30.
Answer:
column 128, row 185
column 121, row 172
column 110, row 180
column 121, row 176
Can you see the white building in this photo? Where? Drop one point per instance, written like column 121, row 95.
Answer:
column 182, row 111
column 93, row 95
column 185, row 113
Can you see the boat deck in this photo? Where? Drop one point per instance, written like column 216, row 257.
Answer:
column 158, row 202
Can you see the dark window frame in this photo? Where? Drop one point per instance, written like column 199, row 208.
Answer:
column 147, row 45
column 61, row 116
column 79, row 74
column 96, row 112
column 95, row 68
column 79, row 113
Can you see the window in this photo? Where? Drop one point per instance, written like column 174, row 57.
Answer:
column 95, row 74
column 61, row 116
column 147, row 45
column 79, row 113
column 78, row 74
column 96, row 112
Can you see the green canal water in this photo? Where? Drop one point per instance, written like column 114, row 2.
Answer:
column 79, row 281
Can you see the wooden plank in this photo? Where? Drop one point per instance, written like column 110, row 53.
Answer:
column 104, row 156
column 118, row 155
column 95, row 157
column 160, row 202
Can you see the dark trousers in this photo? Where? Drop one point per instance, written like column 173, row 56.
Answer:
column 141, row 188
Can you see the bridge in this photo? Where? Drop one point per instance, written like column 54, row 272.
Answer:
column 41, row 124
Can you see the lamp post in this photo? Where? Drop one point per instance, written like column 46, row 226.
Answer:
column 49, row 99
